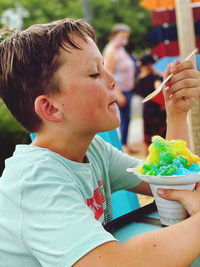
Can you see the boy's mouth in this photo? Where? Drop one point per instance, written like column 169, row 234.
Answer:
column 112, row 103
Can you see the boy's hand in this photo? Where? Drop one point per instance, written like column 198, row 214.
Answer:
column 183, row 89
column 189, row 199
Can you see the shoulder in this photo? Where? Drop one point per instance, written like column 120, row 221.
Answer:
column 36, row 165
column 102, row 153
column 110, row 155
column 110, row 51
column 100, row 145
column 99, row 148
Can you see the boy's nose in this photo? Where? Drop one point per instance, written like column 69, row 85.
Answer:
column 111, row 79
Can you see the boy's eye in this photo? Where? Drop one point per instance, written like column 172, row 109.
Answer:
column 94, row 75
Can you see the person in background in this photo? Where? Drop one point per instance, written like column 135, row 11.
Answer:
column 119, row 62
column 154, row 114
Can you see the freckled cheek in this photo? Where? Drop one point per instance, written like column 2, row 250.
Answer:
column 92, row 110
column 80, row 108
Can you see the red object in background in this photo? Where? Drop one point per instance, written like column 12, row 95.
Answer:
column 163, row 49
column 161, row 16
column 159, row 99
column 169, row 49
column 198, row 42
column 196, row 13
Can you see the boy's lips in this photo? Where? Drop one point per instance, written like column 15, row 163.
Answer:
column 113, row 101
column 112, row 105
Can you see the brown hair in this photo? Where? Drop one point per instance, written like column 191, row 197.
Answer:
column 29, row 60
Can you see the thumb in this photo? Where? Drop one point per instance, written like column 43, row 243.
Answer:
column 167, row 93
column 197, row 186
column 170, row 67
column 189, row 199
column 173, row 194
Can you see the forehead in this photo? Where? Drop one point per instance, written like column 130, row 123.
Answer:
column 88, row 51
column 76, row 63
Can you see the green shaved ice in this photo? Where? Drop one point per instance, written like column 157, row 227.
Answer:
column 167, row 170
column 161, row 146
column 166, row 158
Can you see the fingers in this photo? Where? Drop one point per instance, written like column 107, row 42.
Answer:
column 186, row 87
column 189, row 199
column 166, row 93
column 188, row 74
column 172, row 194
column 197, row 187
column 185, row 80
column 184, row 92
column 168, row 70
column 180, row 66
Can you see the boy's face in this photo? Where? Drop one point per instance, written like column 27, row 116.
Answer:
column 87, row 94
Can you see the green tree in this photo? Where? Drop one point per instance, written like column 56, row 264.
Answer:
column 104, row 14
column 42, row 11
column 108, row 12
column 11, row 133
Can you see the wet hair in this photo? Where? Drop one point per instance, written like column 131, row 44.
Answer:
column 29, row 60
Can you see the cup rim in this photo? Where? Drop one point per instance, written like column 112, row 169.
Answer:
column 167, row 180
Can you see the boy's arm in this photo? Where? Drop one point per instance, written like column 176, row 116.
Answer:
column 143, row 188
column 181, row 93
column 177, row 245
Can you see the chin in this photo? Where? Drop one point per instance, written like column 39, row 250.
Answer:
column 109, row 124
column 113, row 125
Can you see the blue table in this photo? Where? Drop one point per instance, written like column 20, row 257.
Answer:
column 137, row 222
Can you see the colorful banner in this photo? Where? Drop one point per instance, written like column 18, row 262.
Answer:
column 169, row 49
column 155, row 4
column 160, row 17
column 163, row 16
column 160, row 34
column 166, row 36
column 163, row 49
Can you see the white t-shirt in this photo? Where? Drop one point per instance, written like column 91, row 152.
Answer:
column 52, row 209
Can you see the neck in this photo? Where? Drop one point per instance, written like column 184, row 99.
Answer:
column 70, row 147
column 115, row 44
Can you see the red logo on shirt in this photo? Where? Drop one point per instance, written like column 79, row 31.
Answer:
column 96, row 202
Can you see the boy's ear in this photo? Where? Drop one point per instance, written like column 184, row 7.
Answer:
column 46, row 109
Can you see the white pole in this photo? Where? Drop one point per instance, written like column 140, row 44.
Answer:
column 186, row 40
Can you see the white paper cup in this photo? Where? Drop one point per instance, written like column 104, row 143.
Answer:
column 170, row 212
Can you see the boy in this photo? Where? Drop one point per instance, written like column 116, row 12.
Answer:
column 55, row 193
